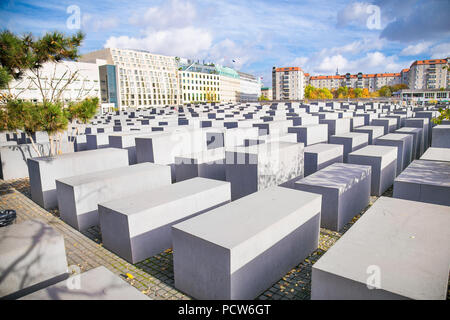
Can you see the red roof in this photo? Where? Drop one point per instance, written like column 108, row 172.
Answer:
column 432, row 61
column 288, row 69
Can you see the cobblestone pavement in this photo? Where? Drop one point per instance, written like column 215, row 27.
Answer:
column 153, row 276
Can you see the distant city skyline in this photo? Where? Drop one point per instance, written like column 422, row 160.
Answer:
column 253, row 36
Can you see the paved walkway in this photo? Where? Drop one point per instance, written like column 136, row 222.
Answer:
column 153, row 276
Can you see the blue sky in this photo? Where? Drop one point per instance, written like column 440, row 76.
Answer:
column 319, row 36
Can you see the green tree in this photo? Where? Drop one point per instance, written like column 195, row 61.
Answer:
column 444, row 115
column 385, row 91
column 358, row 92
column 19, row 54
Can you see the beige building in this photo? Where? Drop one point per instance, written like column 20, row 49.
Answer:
column 372, row 82
column 288, row 83
column 429, row 74
column 143, row 78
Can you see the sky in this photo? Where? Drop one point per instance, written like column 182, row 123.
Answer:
column 252, row 36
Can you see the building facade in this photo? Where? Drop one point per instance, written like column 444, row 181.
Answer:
column 288, row 83
column 249, row 87
column 429, row 74
column 266, row 92
column 63, row 81
column 143, row 78
column 199, row 82
column 424, row 95
column 372, row 82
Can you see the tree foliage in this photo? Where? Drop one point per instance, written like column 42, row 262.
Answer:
column 444, row 115
column 21, row 53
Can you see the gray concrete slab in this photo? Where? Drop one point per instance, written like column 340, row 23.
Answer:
column 404, row 143
column 239, row 250
column 32, row 257
column 43, row 171
column 383, row 160
column 139, row 226
column 79, row 196
column 399, row 248
column 441, row 136
column 351, row 141
column 345, row 190
column 425, row 181
column 250, row 169
column 436, row 154
column 95, row 284
column 321, row 155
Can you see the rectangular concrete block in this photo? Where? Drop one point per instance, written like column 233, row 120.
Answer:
column 389, row 124
column 417, row 139
column 345, row 190
column 441, row 136
column 97, row 141
column 32, row 257
column 239, row 250
column 404, row 143
column 79, row 196
column 436, row 154
column 43, row 171
column 424, row 124
column 351, row 141
column 250, row 169
column 207, row 164
column 425, row 181
column 13, row 159
column 336, row 126
column 374, row 132
column 399, row 248
column 311, row 133
column 321, row 155
column 139, row 226
column 383, row 160
column 95, row 284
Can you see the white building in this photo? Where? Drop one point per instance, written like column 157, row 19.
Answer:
column 63, row 81
column 249, row 87
column 142, row 78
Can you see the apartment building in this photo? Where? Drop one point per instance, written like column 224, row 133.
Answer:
column 288, row 83
column 372, row 82
column 142, row 78
column 429, row 74
column 64, row 81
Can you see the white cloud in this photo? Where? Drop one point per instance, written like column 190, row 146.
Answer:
column 371, row 62
column 415, row 49
column 184, row 42
column 171, row 14
column 353, row 13
column 329, row 64
column 440, row 51
column 299, row 62
column 97, row 23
